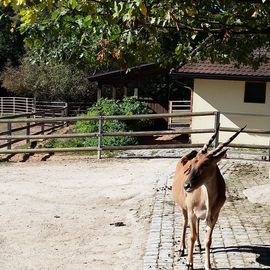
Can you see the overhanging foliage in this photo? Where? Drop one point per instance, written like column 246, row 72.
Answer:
column 105, row 33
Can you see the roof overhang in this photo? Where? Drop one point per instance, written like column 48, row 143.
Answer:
column 217, row 71
column 193, row 76
column 122, row 76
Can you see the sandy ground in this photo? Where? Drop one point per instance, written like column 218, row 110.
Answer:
column 62, row 214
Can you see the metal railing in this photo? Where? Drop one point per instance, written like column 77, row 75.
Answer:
column 19, row 105
column 16, row 105
column 176, row 106
column 100, row 133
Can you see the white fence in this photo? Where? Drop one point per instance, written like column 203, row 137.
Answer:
column 16, row 105
column 19, row 105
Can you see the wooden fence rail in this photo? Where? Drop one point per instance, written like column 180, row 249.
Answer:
column 8, row 136
column 28, row 127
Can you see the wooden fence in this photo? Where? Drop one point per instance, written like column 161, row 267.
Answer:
column 100, row 134
column 32, row 127
column 51, row 108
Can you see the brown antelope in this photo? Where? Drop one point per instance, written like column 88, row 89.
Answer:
column 199, row 189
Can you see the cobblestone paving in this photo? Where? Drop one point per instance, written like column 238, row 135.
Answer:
column 241, row 238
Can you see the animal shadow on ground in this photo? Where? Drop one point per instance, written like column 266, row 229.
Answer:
column 262, row 255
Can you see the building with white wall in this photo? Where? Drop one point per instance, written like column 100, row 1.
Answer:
column 241, row 95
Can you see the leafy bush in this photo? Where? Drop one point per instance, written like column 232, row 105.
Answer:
column 129, row 106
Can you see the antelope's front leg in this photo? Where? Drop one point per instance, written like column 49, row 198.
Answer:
column 183, row 236
column 208, row 242
column 193, row 237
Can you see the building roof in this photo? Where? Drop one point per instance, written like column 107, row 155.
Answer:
column 208, row 70
column 122, row 76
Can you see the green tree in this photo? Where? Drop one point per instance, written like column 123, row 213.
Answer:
column 123, row 33
column 11, row 42
column 53, row 81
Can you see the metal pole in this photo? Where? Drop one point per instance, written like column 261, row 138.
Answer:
column 14, row 105
column 217, row 123
column 2, row 106
column 170, row 111
column 26, row 106
column 34, row 105
column 100, row 130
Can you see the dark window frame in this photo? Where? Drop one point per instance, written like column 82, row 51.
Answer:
column 255, row 92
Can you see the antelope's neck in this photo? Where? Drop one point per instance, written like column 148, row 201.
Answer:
column 210, row 188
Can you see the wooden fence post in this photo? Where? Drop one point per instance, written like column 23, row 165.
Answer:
column 9, row 129
column 100, row 130
column 28, row 125
column 53, row 123
column 269, row 155
column 42, row 124
column 65, row 114
column 217, row 123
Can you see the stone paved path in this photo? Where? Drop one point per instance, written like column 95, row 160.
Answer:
column 241, row 238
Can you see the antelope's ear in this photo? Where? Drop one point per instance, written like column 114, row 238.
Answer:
column 188, row 157
column 184, row 160
column 219, row 156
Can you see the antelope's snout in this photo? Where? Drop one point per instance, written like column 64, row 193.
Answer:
column 191, row 180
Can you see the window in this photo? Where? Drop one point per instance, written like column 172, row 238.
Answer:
column 255, row 92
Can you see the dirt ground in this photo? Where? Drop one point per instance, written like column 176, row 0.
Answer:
column 69, row 213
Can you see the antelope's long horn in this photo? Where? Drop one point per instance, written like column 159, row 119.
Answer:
column 220, row 146
column 205, row 147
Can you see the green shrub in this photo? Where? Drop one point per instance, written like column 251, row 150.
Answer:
column 128, row 106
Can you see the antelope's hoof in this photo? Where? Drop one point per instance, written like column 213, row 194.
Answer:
column 198, row 248
column 182, row 252
column 189, row 266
